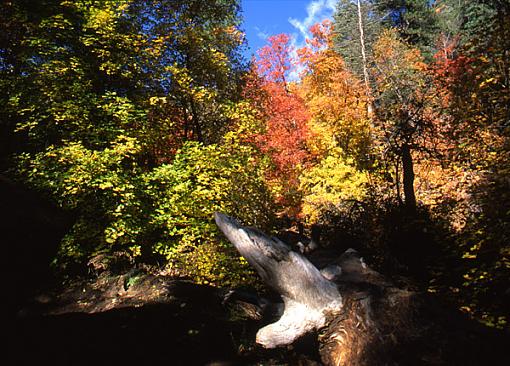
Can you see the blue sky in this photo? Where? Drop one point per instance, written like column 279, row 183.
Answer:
column 263, row 18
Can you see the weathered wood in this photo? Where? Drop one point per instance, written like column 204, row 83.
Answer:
column 307, row 295
column 361, row 318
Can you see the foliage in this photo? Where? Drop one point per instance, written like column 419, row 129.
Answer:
column 401, row 88
column 470, row 71
column 334, row 181
column 286, row 123
column 200, row 181
column 101, row 187
column 415, row 20
column 166, row 211
column 335, row 98
column 347, row 37
column 185, row 194
column 104, row 94
column 142, row 119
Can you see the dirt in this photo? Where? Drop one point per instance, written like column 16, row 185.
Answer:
column 122, row 319
column 139, row 319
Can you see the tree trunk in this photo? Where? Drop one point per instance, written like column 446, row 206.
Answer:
column 361, row 318
column 370, row 108
column 362, row 44
column 408, row 178
column 308, row 296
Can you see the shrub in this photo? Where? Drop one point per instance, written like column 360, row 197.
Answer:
column 163, row 212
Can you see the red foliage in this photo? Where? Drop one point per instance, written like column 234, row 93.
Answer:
column 449, row 68
column 274, row 59
column 286, row 118
column 286, row 126
column 287, row 131
column 321, row 35
column 321, row 40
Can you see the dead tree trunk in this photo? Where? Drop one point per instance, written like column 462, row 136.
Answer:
column 308, row 296
column 360, row 317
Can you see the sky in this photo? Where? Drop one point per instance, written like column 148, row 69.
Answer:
column 263, row 18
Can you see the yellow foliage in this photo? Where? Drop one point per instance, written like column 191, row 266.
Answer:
column 333, row 180
column 338, row 105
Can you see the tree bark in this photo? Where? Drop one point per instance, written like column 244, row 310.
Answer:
column 370, row 108
column 408, row 178
column 308, row 296
column 361, row 318
column 362, row 44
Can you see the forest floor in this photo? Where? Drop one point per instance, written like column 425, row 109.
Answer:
column 139, row 319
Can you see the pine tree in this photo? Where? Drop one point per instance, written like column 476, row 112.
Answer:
column 357, row 25
column 415, row 20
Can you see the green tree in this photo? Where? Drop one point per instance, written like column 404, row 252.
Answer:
column 415, row 20
column 197, row 49
column 355, row 35
column 104, row 96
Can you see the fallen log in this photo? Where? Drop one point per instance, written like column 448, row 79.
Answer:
column 360, row 317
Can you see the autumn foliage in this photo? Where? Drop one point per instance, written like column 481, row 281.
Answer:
column 142, row 119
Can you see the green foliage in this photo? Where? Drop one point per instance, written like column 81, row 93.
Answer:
column 166, row 211
column 332, row 182
column 195, row 45
column 214, row 263
column 185, row 194
column 104, row 189
column 415, row 20
column 347, row 33
column 202, row 180
column 102, row 94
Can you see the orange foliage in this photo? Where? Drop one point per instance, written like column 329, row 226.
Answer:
column 284, row 139
column 274, row 59
column 336, row 99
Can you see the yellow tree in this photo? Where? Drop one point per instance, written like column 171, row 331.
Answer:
column 339, row 124
column 336, row 99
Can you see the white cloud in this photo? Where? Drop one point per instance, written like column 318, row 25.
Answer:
column 317, row 11
column 261, row 34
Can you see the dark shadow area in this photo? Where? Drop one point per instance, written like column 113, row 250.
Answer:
column 467, row 268
column 392, row 240
column 444, row 337
column 31, row 229
column 152, row 334
column 187, row 325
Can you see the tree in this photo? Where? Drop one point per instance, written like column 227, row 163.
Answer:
column 274, row 59
column 339, row 128
column 475, row 74
column 357, row 25
column 335, row 98
column 106, row 95
column 402, row 105
column 415, row 20
column 197, row 82
column 286, row 132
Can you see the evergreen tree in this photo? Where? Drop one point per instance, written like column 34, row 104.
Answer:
column 348, row 39
column 415, row 20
